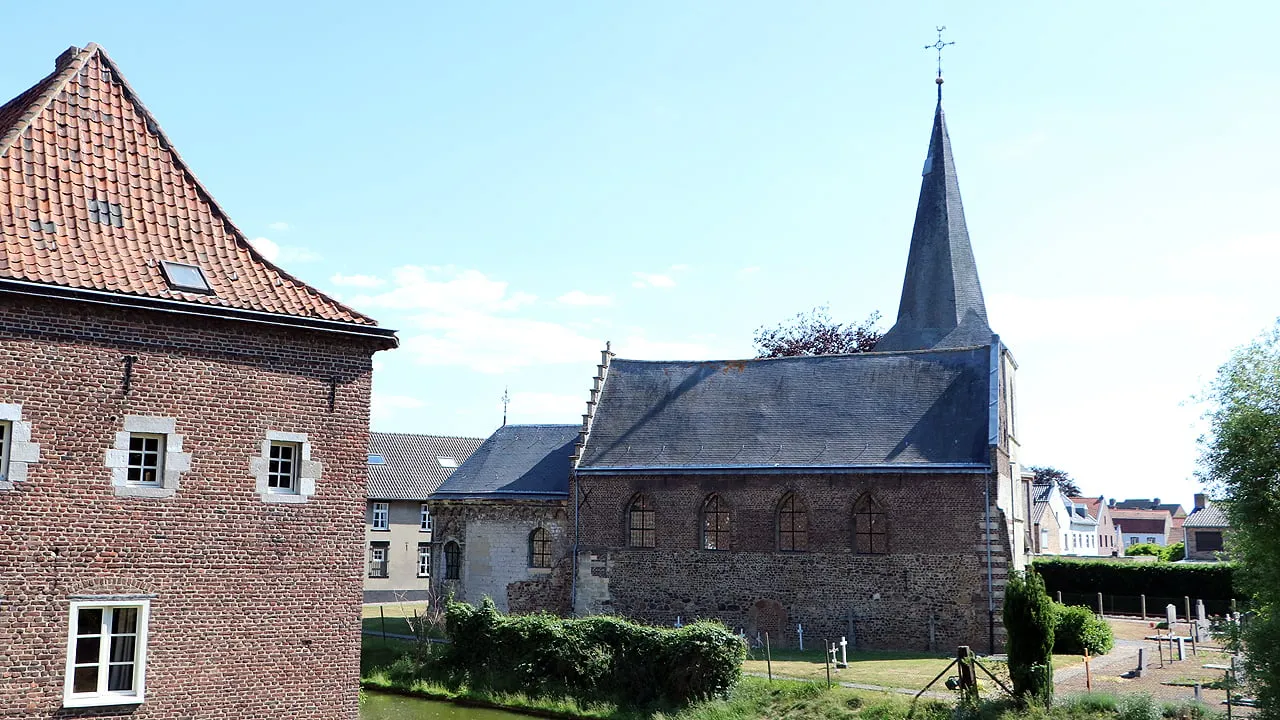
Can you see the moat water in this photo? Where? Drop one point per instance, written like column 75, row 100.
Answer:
column 378, row 706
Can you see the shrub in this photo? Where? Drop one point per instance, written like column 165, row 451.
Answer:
column 604, row 659
column 1174, row 552
column 1139, row 706
column 1029, row 619
column 1076, row 629
column 1151, row 549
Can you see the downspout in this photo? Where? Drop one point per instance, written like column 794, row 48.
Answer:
column 573, row 580
column 993, row 419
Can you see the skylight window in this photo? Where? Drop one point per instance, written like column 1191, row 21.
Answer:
column 377, row 460
column 447, row 462
column 185, row 277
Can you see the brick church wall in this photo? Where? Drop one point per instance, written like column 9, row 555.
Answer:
column 928, row 591
column 255, row 609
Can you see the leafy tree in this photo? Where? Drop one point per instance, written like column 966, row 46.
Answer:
column 1047, row 473
column 815, row 333
column 1029, row 619
column 1240, row 460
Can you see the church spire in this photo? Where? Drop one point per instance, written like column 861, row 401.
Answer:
column 942, row 302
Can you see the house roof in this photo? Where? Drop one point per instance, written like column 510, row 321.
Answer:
column 1042, row 492
column 94, row 198
column 1156, row 522
column 927, row 410
column 942, row 304
column 1174, row 509
column 518, row 462
column 1093, row 504
column 1209, row 516
column 1038, row 510
column 413, row 465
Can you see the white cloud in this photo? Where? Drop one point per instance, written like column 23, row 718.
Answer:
column 282, row 254
column 384, row 408
column 279, row 226
column 530, row 407
column 358, row 281
column 638, row 347
column 654, row 280
column 445, row 291
column 681, row 267
column 579, row 298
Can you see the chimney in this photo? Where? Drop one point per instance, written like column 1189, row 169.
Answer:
column 1154, row 503
column 1111, row 503
column 1201, row 501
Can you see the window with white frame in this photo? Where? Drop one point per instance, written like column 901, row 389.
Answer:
column 106, row 652
column 424, row 559
column 6, row 433
column 424, row 519
column 146, row 459
column 1150, row 539
column 282, row 466
column 381, row 516
column 378, row 559
column 17, row 452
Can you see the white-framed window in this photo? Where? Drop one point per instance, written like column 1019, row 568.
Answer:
column 6, row 438
column 282, row 466
column 1150, row 539
column 146, row 459
column 106, row 652
column 17, row 452
column 1044, row 540
column 424, row 559
column 378, row 560
column 424, row 519
column 381, row 515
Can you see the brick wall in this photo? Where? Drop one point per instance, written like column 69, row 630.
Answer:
column 934, row 575
column 494, row 539
column 255, row 609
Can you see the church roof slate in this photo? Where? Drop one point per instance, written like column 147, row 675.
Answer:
column 95, row 199
column 872, row 410
column 517, row 462
column 411, row 467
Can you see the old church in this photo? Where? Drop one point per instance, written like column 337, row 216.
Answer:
column 873, row 496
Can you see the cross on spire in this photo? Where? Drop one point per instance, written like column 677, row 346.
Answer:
column 939, row 45
column 506, row 400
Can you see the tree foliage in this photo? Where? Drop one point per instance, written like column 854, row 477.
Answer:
column 1046, row 474
column 1240, row 460
column 815, row 333
column 1029, row 618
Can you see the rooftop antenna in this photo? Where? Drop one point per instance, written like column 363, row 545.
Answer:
column 939, row 45
column 506, row 400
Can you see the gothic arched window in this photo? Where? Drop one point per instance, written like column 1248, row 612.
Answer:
column 641, row 524
column 540, row 548
column 870, row 536
column 793, row 525
column 715, row 524
column 452, row 561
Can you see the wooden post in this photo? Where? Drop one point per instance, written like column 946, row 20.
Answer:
column 1191, row 619
column 1088, row 677
column 1144, row 606
column 1059, row 597
column 827, row 659
column 383, row 616
column 968, row 678
column 768, row 658
column 1099, row 604
column 1142, row 661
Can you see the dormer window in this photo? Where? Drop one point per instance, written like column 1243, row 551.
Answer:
column 185, row 277
column 447, row 462
column 377, row 460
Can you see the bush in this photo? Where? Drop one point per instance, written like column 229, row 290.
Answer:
column 1139, row 706
column 1151, row 549
column 1211, row 582
column 595, row 659
column 1174, row 552
column 1029, row 620
column 1077, row 629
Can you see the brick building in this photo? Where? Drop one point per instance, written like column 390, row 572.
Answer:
column 183, row 432
column 404, row 469
column 1207, row 528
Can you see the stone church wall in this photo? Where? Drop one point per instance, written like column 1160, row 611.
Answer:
column 929, row 590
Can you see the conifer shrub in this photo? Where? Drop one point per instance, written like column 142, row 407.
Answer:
column 1029, row 619
column 1076, row 629
column 594, row 659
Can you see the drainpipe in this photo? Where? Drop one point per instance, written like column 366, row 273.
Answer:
column 991, row 599
column 573, row 580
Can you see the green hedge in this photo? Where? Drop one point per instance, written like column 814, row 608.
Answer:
column 591, row 659
column 1076, row 629
column 1160, row 582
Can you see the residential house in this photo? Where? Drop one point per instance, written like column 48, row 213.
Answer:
column 1061, row 525
column 1206, row 530
column 1142, row 526
column 1108, row 543
column 502, row 520
column 182, row 433
column 404, row 469
column 1176, row 514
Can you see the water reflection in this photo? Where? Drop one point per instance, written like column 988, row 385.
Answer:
column 396, row 707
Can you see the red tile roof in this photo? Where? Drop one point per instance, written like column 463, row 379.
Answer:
column 79, row 141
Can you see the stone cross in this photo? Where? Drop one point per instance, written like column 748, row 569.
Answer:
column 800, row 634
column 844, row 652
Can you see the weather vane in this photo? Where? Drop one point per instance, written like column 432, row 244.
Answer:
column 506, row 400
column 939, row 45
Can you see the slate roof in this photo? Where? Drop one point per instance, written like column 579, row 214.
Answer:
column 1042, row 492
column 412, row 470
column 942, row 304
column 524, row 462
column 1209, row 516
column 93, row 197
column 1038, row 510
column 922, row 409
column 1148, row 504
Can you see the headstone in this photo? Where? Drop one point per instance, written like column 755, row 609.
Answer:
column 800, row 634
column 1142, row 662
column 844, row 653
column 1182, row 648
column 1171, row 615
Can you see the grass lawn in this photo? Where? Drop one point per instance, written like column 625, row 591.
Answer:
column 873, row 667
column 397, row 616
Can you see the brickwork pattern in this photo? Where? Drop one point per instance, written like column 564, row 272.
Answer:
column 934, row 575
column 255, row 609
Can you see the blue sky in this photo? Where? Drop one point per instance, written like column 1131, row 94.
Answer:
column 512, row 184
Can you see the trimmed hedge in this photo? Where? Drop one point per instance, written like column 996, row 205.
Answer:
column 600, row 658
column 1076, row 629
column 1211, row 582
